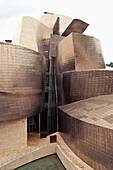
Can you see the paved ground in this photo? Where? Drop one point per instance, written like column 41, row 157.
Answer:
column 41, row 147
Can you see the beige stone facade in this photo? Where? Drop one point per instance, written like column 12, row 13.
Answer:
column 39, row 148
column 13, row 134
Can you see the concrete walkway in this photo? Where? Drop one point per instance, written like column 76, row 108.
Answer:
column 39, row 148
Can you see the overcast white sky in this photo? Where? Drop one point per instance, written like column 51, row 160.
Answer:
column 98, row 13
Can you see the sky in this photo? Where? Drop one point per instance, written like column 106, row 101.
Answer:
column 98, row 13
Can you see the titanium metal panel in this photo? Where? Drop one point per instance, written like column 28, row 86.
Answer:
column 22, row 80
column 13, row 106
column 64, row 22
column 77, row 26
column 63, row 25
column 87, row 128
column 79, row 52
column 26, row 33
column 43, row 39
column 51, row 21
column 79, row 85
column 88, row 52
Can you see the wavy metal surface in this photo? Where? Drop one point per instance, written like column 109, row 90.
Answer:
column 87, row 128
column 80, row 52
column 77, row 26
column 51, row 21
column 63, row 25
column 79, row 85
column 22, row 79
column 88, row 52
column 26, row 33
column 64, row 22
column 43, row 32
column 77, row 52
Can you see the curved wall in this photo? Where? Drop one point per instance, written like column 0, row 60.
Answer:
column 51, row 21
column 22, row 77
column 79, row 52
column 26, row 33
column 92, row 143
column 68, row 25
column 79, row 85
column 15, row 106
column 77, row 26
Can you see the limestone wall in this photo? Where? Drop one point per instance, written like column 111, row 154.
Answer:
column 13, row 135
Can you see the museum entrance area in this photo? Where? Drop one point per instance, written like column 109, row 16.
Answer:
column 33, row 124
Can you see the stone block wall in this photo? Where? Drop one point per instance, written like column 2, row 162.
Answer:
column 13, row 135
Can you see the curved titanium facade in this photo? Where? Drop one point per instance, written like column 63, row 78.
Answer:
column 22, row 77
column 79, row 52
column 68, row 25
column 87, row 128
column 26, row 33
column 77, row 26
column 79, row 85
